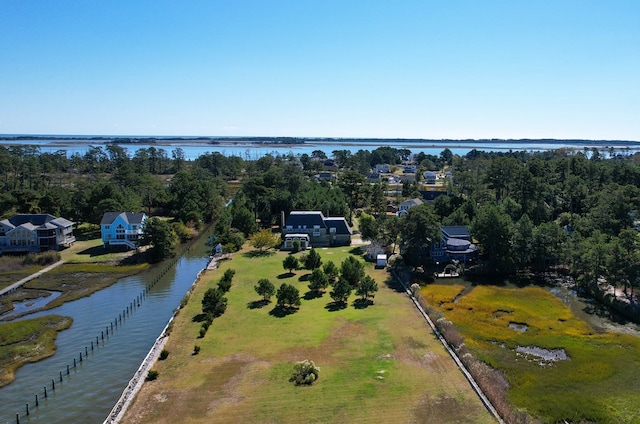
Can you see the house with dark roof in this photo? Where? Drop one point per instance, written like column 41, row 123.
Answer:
column 35, row 233
column 456, row 244
column 313, row 229
column 122, row 228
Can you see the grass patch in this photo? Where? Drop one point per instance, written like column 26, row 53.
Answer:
column 598, row 383
column 378, row 364
column 28, row 341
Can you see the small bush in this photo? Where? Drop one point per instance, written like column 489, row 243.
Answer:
column 164, row 354
column 196, row 349
column 45, row 258
column 304, row 372
column 203, row 331
column 152, row 375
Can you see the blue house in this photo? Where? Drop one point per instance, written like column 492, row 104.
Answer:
column 122, row 228
column 455, row 244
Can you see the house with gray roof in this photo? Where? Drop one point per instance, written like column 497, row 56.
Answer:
column 35, row 233
column 313, row 229
column 456, row 244
column 122, row 228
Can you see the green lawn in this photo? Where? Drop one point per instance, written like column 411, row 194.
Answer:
column 600, row 382
column 377, row 364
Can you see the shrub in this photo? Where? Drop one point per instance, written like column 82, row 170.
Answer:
column 152, row 375
column 196, row 349
column 304, row 372
column 203, row 331
column 164, row 354
column 45, row 258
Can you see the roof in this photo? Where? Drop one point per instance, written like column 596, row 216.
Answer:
column 32, row 221
column 305, row 218
column 412, row 202
column 456, row 231
column 128, row 217
column 340, row 224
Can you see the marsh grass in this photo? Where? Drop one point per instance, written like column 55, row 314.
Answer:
column 28, row 340
column 77, row 280
column 379, row 363
column 601, row 380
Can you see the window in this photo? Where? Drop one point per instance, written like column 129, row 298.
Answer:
column 107, row 227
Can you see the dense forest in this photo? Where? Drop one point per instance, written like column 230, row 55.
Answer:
column 569, row 209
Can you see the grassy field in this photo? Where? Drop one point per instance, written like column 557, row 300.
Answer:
column 28, row 341
column 600, row 380
column 379, row 363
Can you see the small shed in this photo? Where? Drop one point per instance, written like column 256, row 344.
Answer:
column 381, row 261
column 217, row 250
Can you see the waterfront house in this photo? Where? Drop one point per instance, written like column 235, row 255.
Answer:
column 455, row 244
column 122, row 228
column 313, row 229
column 35, row 233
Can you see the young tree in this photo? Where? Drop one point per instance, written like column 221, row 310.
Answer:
column 265, row 288
column 264, row 239
column 214, row 303
column 318, row 281
column 312, row 260
column 341, row 291
column 352, row 271
column 331, row 270
column 290, row 263
column 288, row 296
column 367, row 287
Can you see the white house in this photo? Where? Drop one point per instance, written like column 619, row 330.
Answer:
column 35, row 233
column 403, row 208
column 122, row 228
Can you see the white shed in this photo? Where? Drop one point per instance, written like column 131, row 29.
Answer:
column 381, row 261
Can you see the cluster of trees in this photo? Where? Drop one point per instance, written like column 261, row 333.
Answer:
column 214, row 303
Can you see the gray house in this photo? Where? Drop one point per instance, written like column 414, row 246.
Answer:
column 313, row 229
column 35, row 233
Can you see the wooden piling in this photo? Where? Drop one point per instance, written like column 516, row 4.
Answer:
column 53, row 384
column 27, row 409
column 45, row 392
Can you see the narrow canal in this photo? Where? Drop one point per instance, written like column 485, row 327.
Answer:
column 90, row 390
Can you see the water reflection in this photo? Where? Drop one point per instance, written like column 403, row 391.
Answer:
column 92, row 387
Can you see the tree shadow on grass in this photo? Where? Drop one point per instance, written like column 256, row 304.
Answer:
column 199, row 318
column 304, row 277
column 259, row 253
column 282, row 311
column 357, row 251
column 362, row 303
column 335, row 306
column 257, row 304
column 286, row 275
column 312, row 294
column 394, row 284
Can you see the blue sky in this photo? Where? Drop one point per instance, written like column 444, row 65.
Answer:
column 416, row 69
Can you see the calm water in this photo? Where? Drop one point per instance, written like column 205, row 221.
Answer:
column 93, row 387
column 250, row 151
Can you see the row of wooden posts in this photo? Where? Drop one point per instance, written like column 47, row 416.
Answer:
column 113, row 325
